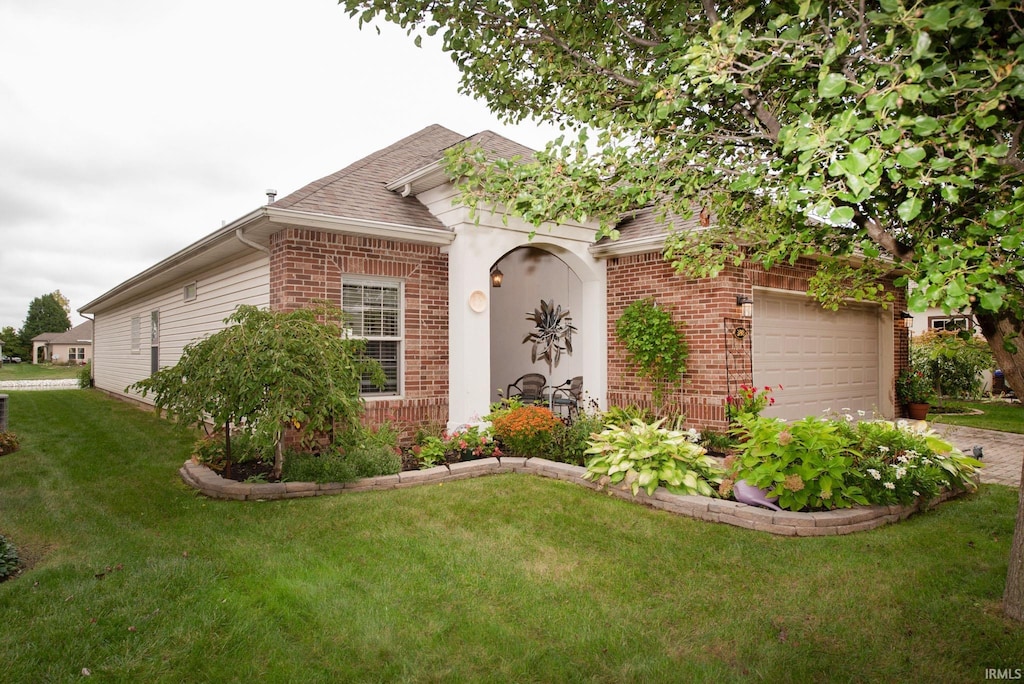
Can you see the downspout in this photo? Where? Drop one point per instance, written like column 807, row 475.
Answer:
column 240, row 234
column 92, row 361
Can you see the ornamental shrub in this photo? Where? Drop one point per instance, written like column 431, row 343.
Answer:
column 815, row 463
column 9, row 561
column 526, row 430
column 955, row 361
column 806, row 463
column 8, row 443
column 900, row 463
column 570, row 442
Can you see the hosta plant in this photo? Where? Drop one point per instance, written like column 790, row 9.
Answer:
column 646, row 455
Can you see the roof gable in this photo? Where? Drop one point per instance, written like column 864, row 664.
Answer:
column 358, row 190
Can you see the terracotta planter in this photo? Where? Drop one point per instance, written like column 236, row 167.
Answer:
column 918, row 411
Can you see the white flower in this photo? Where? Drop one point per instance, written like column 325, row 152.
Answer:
column 889, row 485
column 845, row 409
column 874, row 473
column 912, row 454
column 861, row 413
column 900, row 472
column 883, row 449
column 902, row 424
column 916, row 493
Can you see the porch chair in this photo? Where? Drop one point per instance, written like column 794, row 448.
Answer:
column 529, row 388
column 568, row 395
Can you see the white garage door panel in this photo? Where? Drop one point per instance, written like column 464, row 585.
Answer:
column 823, row 359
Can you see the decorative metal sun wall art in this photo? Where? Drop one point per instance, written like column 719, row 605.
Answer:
column 552, row 333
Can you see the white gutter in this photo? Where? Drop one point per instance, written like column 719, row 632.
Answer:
column 364, row 227
column 614, row 248
column 240, row 234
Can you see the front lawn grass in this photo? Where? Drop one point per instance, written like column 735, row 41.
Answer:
column 996, row 415
column 495, row 579
column 41, row 371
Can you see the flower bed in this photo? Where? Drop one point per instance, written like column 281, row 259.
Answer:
column 784, row 523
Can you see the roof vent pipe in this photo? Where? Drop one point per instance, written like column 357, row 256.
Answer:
column 271, row 195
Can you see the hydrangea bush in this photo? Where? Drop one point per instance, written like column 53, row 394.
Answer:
column 820, row 463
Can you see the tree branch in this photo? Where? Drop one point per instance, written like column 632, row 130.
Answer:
column 881, row 237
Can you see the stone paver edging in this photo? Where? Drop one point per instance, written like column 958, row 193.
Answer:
column 786, row 523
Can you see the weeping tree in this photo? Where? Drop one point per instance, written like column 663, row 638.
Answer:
column 874, row 136
column 266, row 373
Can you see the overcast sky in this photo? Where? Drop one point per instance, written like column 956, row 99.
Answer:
column 129, row 129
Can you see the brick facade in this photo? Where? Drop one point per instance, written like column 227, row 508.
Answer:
column 702, row 305
column 309, row 265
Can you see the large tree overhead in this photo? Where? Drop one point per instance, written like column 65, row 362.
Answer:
column 47, row 313
column 824, row 129
column 879, row 129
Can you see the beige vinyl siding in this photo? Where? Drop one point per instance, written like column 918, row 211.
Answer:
column 219, row 293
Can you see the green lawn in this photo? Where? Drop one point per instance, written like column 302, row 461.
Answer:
column 996, row 415
column 496, row 579
column 43, row 371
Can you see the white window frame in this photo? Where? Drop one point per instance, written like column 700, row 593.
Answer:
column 136, row 333
column 190, row 292
column 950, row 323
column 353, row 324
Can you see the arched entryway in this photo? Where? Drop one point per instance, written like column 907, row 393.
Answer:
column 529, row 275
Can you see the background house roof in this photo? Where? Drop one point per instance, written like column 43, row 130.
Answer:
column 80, row 334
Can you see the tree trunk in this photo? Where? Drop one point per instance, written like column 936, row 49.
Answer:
column 278, row 456
column 1013, row 594
column 997, row 332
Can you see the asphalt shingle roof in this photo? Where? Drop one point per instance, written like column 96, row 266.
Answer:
column 358, row 190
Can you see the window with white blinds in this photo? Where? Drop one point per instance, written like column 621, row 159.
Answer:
column 374, row 313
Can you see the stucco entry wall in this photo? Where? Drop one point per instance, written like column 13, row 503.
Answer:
column 481, row 241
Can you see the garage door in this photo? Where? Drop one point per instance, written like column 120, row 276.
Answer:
column 825, row 360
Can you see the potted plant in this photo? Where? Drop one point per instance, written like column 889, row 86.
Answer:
column 914, row 388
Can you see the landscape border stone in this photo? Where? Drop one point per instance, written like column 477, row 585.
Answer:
column 782, row 523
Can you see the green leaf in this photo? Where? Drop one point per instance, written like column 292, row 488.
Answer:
column 909, row 208
column 937, row 18
column 841, row 215
column 855, row 163
column 992, row 301
column 911, row 157
column 832, row 85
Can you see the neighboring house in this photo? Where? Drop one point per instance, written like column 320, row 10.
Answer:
column 71, row 346
column 935, row 319
column 383, row 238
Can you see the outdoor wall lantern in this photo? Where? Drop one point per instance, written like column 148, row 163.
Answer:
column 746, row 304
column 496, row 277
column 906, row 319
